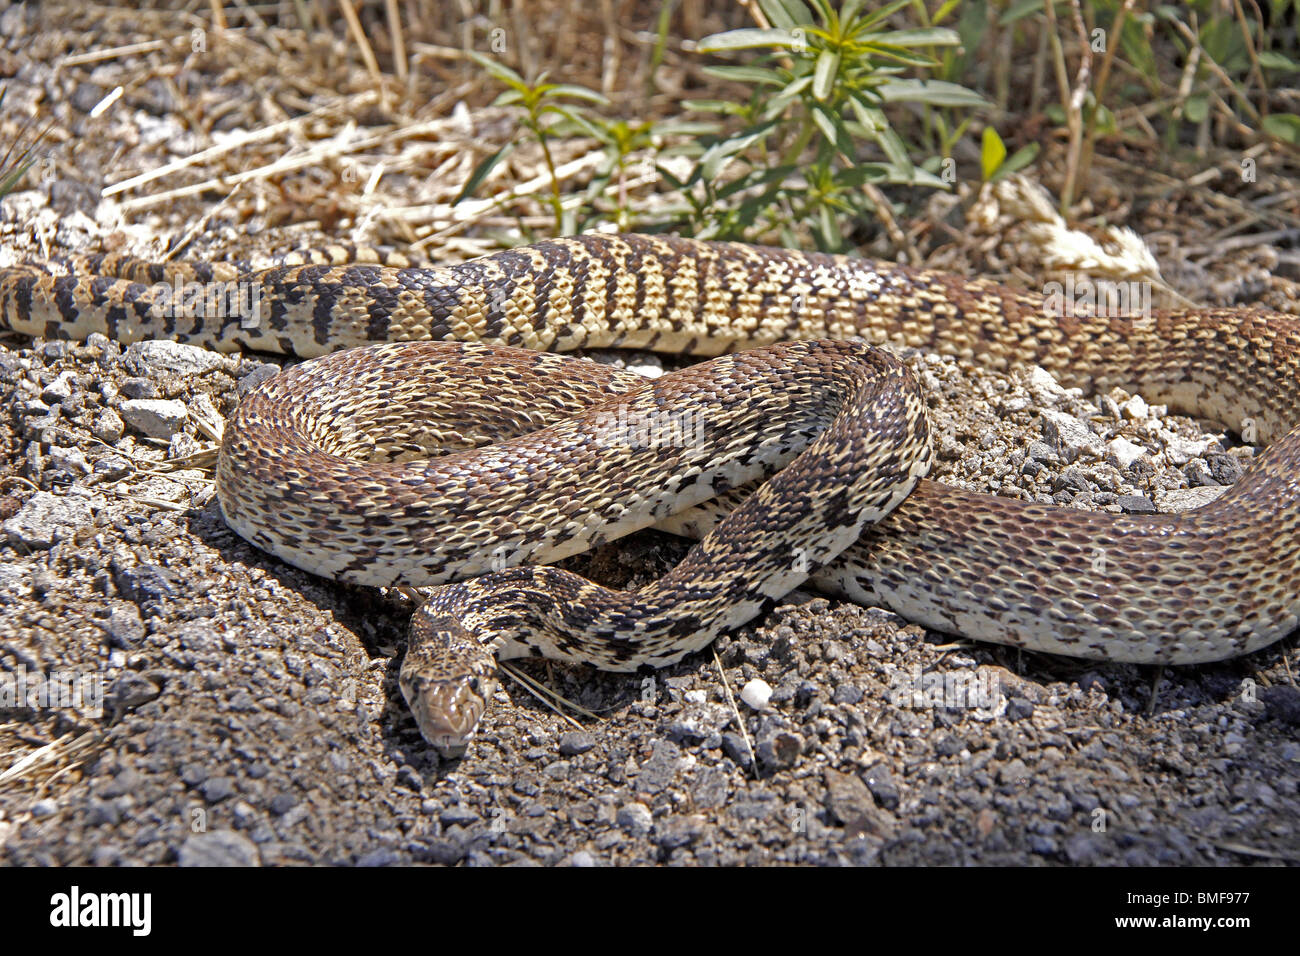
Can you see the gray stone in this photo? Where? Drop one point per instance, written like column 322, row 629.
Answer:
column 45, row 518
column 217, row 789
column 1136, row 504
column 113, row 467
column 147, row 582
column 59, row 390
column 219, row 848
column 173, row 357
column 255, row 376
column 108, row 426
column 124, row 627
column 1179, row 451
column 678, row 832
column 576, row 742
column 634, row 818
column 779, row 749
column 68, row 461
column 1041, row 451
column 1070, row 436
column 847, row 694
column 139, row 388
column 155, row 417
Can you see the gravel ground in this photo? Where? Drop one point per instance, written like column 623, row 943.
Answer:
column 251, row 711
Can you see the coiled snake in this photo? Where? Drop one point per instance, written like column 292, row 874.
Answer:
column 462, row 460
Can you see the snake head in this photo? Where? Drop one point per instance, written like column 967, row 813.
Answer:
column 447, row 678
column 446, row 711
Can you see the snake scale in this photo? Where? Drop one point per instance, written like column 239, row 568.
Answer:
column 459, row 453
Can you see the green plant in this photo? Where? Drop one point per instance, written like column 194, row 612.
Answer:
column 621, row 140
column 816, row 101
column 542, row 105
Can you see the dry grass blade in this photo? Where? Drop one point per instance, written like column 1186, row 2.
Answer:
column 740, row 722
column 13, row 169
column 61, row 755
column 546, row 696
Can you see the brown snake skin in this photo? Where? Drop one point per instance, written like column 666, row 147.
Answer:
column 324, row 466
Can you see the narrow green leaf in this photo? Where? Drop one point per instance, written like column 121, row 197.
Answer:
column 745, row 74
column 497, row 69
column 826, row 124
column 1272, row 60
column 918, row 177
column 898, row 54
column 713, row 106
column 895, row 149
column 786, row 14
column 876, row 16
column 766, row 178
column 482, row 171
column 686, row 128
column 849, row 13
column 1017, row 161
column 933, row 92
column 791, row 92
column 828, row 64
column 578, row 93
column 746, row 39
column 828, row 232
column 930, row 36
column 869, row 116
column 947, row 7
column 862, row 173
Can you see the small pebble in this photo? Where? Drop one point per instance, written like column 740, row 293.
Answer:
column 757, row 693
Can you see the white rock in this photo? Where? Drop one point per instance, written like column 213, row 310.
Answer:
column 757, row 693
column 175, row 357
column 60, row 389
column 1069, row 435
column 650, row 367
column 1043, row 386
column 108, row 426
column 1135, row 407
column 634, row 818
column 71, row 461
column 1179, row 451
column 45, row 518
column 1125, row 451
column 155, row 417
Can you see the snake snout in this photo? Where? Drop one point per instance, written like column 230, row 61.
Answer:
column 447, row 711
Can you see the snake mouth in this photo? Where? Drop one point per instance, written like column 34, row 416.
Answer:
column 447, row 711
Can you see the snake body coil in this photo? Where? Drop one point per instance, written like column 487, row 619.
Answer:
column 329, row 465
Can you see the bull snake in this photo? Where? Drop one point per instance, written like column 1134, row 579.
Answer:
column 460, row 454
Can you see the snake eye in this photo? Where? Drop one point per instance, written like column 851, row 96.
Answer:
column 473, row 684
